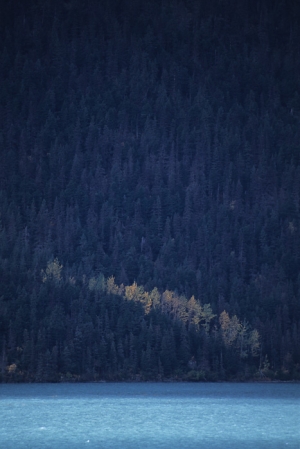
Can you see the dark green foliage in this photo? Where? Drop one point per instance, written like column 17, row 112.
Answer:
column 157, row 142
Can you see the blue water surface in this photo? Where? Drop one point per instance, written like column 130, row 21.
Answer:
column 150, row 415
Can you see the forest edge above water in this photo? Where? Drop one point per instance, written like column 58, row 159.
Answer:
column 135, row 335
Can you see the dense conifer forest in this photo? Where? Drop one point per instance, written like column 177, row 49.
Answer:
column 149, row 190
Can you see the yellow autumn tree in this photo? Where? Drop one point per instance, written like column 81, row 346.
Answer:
column 240, row 335
column 230, row 328
column 135, row 293
column 111, row 287
column 194, row 311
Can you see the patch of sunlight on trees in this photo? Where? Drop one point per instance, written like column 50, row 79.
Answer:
column 52, row 272
column 240, row 335
column 234, row 333
column 97, row 283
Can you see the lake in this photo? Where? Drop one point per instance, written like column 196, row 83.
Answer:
column 150, row 415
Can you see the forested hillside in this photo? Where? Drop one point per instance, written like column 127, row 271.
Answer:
column 149, row 190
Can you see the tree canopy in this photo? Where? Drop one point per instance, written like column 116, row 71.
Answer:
column 149, row 189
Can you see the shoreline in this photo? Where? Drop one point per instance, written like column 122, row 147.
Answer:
column 165, row 381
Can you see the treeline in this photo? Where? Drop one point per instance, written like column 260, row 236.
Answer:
column 156, row 142
column 113, row 332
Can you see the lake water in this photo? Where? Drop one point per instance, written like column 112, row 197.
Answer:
column 150, row 415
